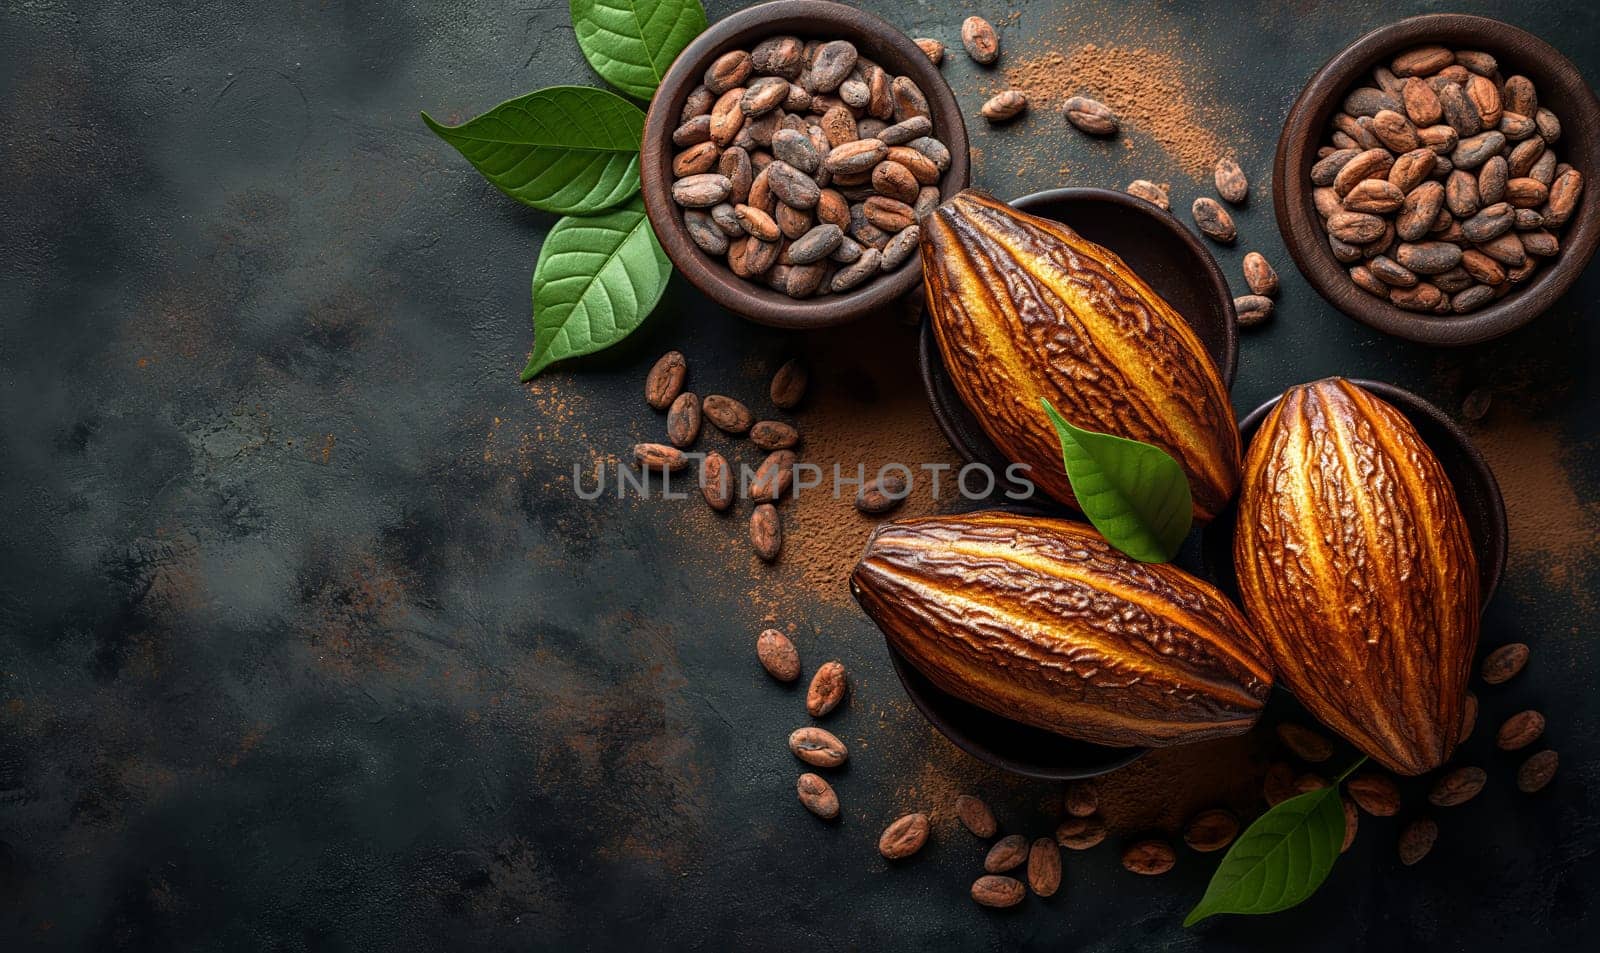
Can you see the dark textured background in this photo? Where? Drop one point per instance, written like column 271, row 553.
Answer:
column 305, row 643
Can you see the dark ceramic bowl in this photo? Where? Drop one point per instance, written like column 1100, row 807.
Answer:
column 821, row 19
column 1154, row 244
column 1476, row 490
column 1561, row 87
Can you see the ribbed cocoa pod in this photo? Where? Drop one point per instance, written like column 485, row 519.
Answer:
column 1043, row 622
column 1357, row 572
column 1025, row 308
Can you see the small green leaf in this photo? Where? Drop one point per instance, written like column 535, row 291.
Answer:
column 597, row 279
column 572, row 150
column 630, row 43
column 1136, row 495
column 1279, row 860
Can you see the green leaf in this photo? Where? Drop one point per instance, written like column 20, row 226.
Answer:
column 567, row 149
column 1279, row 860
column 1135, row 494
column 597, row 279
column 630, row 43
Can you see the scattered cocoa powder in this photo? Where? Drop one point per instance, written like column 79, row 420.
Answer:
column 1145, row 87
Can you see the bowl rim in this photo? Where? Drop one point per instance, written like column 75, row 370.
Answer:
column 1490, row 571
column 713, row 278
column 931, row 363
column 1302, row 135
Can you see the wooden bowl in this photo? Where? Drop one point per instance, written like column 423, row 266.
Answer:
column 821, row 19
column 1560, row 86
column 1161, row 249
column 1476, row 491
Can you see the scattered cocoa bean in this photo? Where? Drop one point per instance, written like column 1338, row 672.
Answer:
column 1216, row 224
column 980, row 39
column 1150, row 192
column 683, row 420
column 665, row 380
column 1457, row 787
column 1252, row 310
column 882, row 494
column 992, row 890
column 828, row 687
column 1149, row 857
column 1416, row 839
column 1230, row 181
column 1520, row 731
column 1211, row 830
column 1537, row 771
column 778, row 655
column 818, row 796
column 1504, row 663
column 716, row 481
column 975, row 816
column 659, row 456
column 1091, row 116
column 1259, row 275
column 904, row 836
column 1469, row 718
column 1044, row 867
column 818, row 747
column 932, row 48
column 1351, row 821
column 1080, row 833
column 766, row 531
column 1377, row 794
column 1007, row 853
column 727, row 414
column 1004, row 105
column 773, row 435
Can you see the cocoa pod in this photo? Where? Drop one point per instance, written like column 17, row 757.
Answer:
column 766, row 531
column 778, row 655
column 975, row 816
column 665, row 380
column 1149, row 858
column 683, row 420
column 980, row 39
column 1080, row 833
column 1046, row 624
column 1519, row 731
column 818, row 747
column 1082, row 306
column 1376, row 794
column 1417, row 839
column 828, row 687
column 1537, row 771
column 1044, row 867
column 1364, row 591
column 904, row 836
column 992, row 890
column 1504, row 663
column 1457, row 787
column 1007, row 853
column 1211, row 830
column 818, row 796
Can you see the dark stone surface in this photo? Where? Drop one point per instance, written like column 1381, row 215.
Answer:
column 305, row 643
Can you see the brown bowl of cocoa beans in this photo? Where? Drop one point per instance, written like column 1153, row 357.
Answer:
column 788, row 155
column 1431, row 180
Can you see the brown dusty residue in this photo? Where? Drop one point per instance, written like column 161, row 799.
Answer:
column 1145, row 87
column 1167, row 786
column 1552, row 528
column 865, row 408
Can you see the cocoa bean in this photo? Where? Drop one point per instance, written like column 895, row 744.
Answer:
column 1471, row 299
column 1507, row 250
column 1526, row 192
column 792, row 222
column 815, row 245
column 773, row 435
column 1421, row 102
column 1082, row 799
column 1364, row 279
column 1356, row 228
column 838, row 124
column 1459, row 113
column 756, row 223
column 1489, row 223
column 908, row 99
column 1523, row 156
column 1252, row 310
column 1215, row 222
column 702, row 190
column 698, row 103
column 1377, row 794
column 925, row 170
column 1368, row 101
column 683, row 420
column 854, row 274
column 659, row 456
column 716, row 481
column 692, row 132
column 900, row 248
column 1416, row 839
column 1410, row 170
column 1395, row 131
column 818, row 796
column 778, row 56
column 1091, row 116
column 904, row 836
column 1369, row 164
column 1485, row 97
column 1519, row 96
column 1230, row 181
column 1469, row 710
column 1420, row 297
column 766, row 531
column 791, row 186
column 665, row 380
column 1540, row 243
column 1306, row 744
column 703, row 231
column 1044, row 867
column 1007, row 853
column 992, row 890
column 788, row 385
column 889, row 214
column 1563, row 197
column 1439, row 138
column 1492, row 178
column 1549, row 126
column 1474, row 151
column 778, row 655
column 901, row 133
column 1478, row 62
column 980, row 39
column 1080, row 833
column 795, row 148
column 1374, row 196
column 726, row 117
column 882, row 494
column 853, row 157
column 1461, row 194
column 1157, row 196
column 818, row 747
column 975, row 816
column 1517, row 127
column 1422, row 61
column 833, row 62
column 1428, row 258
column 1537, row 772
column 1259, row 275
column 1457, row 787
column 1392, row 273
column 1211, row 830
column 773, row 478
column 1004, row 105
column 931, row 48
column 1149, row 857
column 1520, row 731
column 828, row 687
column 728, row 71
column 1504, row 663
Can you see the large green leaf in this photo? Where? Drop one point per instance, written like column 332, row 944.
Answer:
column 630, row 43
column 1136, row 495
column 1279, row 860
column 597, row 279
column 567, row 149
